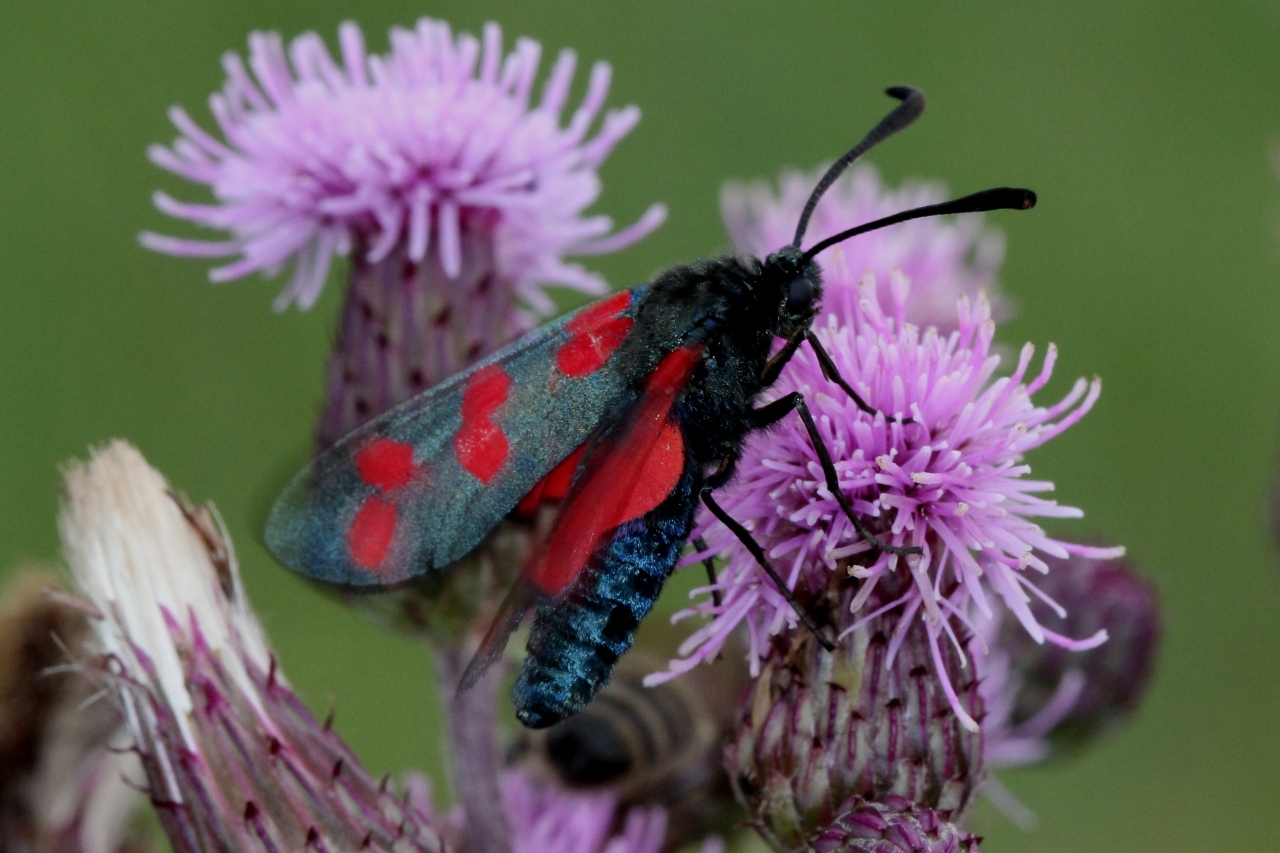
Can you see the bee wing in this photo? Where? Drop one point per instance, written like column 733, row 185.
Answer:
column 420, row 486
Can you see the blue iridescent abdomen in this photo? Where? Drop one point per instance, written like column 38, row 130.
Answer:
column 577, row 638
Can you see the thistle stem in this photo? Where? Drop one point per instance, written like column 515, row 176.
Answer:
column 475, row 754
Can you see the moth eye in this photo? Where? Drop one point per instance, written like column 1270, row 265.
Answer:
column 800, row 296
column 710, row 324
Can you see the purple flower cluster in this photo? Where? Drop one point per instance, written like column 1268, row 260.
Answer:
column 549, row 819
column 419, row 146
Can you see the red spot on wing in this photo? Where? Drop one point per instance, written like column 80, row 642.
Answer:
column 594, row 334
column 598, row 312
column 386, row 464
column 480, row 446
column 370, row 534
column 627, row 477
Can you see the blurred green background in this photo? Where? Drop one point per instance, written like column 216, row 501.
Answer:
column 1153, row 260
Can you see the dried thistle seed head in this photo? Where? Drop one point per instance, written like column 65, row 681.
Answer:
column 232, row 759
column 36, row 634
column 63, row 777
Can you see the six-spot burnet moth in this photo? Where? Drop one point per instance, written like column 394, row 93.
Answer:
column 629, row 411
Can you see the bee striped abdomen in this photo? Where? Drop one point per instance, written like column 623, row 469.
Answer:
column 577, row 638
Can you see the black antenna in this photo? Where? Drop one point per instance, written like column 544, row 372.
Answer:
column 999, row 198
column 902, row 116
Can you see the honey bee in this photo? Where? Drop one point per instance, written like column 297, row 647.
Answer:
column 650, row 745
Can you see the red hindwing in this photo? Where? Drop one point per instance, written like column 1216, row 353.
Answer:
column 627, row 474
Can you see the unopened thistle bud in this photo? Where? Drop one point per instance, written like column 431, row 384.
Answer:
column 869, row 721
column 1044, row 699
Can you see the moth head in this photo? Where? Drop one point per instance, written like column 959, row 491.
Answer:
column 797, row 282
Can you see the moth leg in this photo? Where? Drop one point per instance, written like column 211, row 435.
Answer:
column 724, row 470
column 714, row 480
column 833, row 375
column 773, row 412
column 749, row 542
column 709, row 563
column 773, row 368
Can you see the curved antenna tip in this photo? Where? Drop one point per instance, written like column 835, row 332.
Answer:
column 898, row 118
column 998, row 198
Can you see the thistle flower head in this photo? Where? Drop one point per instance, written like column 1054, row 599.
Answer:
column 420, row 149
column 951, row 481
column 943, row 258
column 233, row 760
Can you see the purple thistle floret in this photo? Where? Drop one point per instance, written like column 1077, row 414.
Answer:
column 420, row 148
column 943, row 259
column 952, row 482
column 544, row 817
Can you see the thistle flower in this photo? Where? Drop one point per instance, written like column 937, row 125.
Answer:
column 544, row 818
column 232, row 759
column 869, row 724
column 944, row 259
column 456, row 196
column 1042, row 699
column 952, row 481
